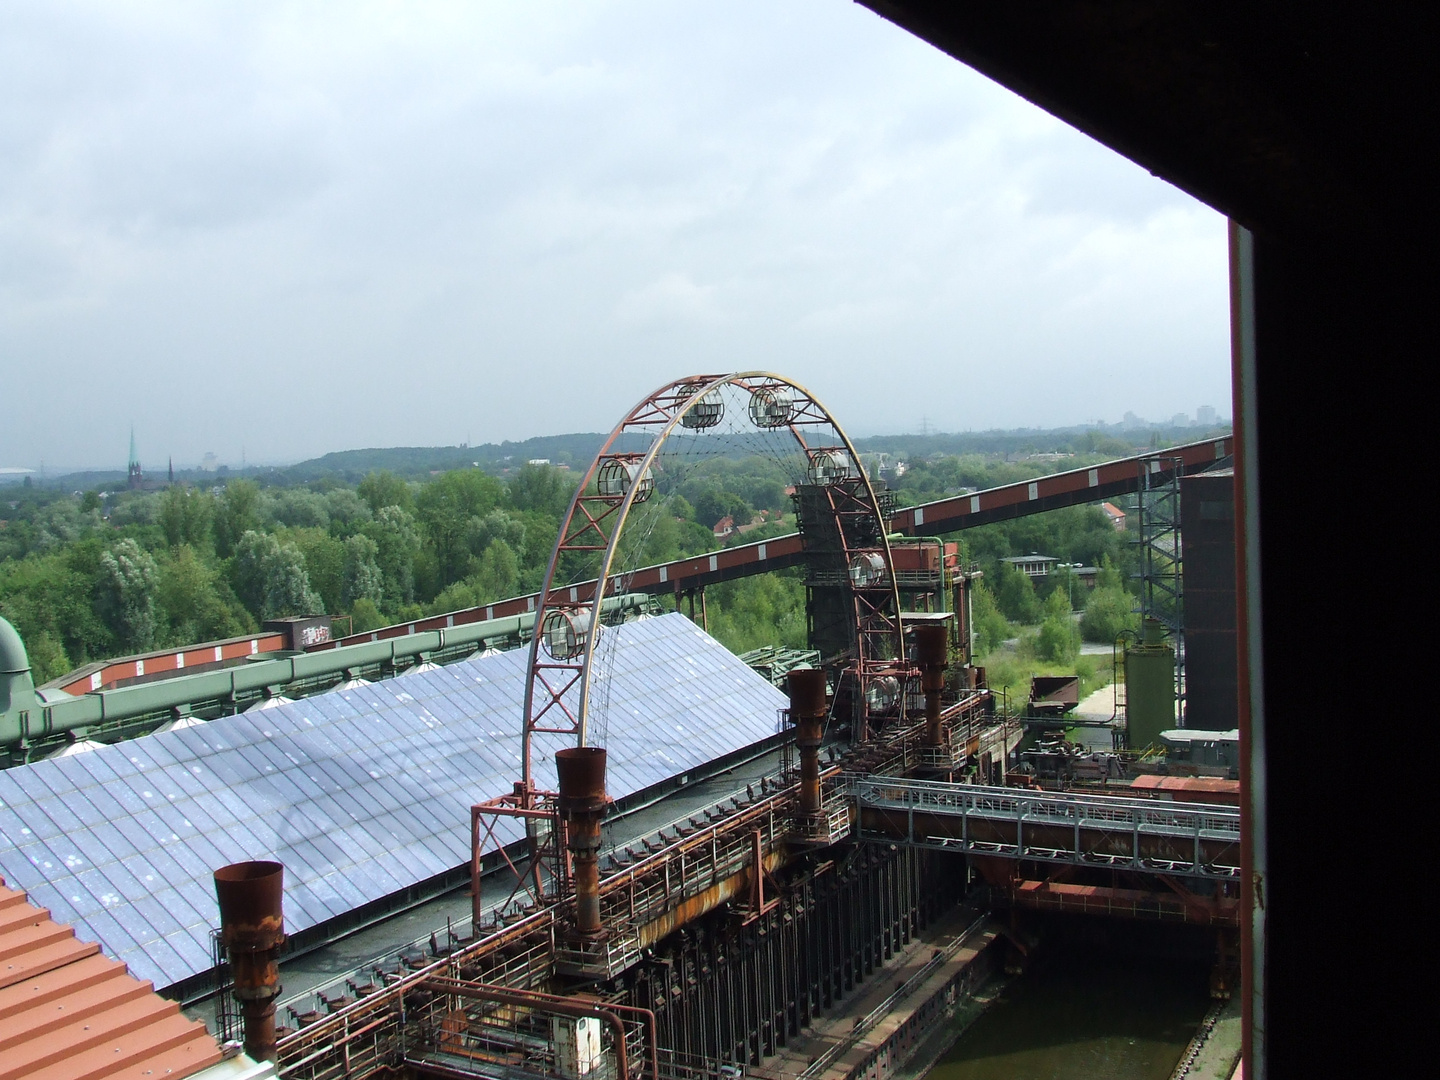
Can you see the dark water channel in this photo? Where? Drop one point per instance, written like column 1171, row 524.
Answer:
column 1112, row 1002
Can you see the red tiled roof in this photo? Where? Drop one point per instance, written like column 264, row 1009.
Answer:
column 69, row 1013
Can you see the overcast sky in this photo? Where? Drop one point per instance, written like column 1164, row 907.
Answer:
column 299, row 228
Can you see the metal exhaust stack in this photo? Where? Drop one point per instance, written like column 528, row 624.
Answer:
column 807, row 712
column 252, row 928
column 581, row 771
column 932, row 653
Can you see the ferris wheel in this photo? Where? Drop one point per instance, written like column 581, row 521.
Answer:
column 690, row 427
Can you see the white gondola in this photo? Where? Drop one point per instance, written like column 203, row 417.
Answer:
column 867, row 569
column 617, row 475
column 566, row 631
column 883, row 693
column 706, row 412
column 771, row 407
column 828, row 467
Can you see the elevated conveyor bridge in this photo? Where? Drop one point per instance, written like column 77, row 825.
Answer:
column 1073, row 488
column 1149, row 836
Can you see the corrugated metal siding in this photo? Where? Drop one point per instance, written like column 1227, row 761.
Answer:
column 360, row 793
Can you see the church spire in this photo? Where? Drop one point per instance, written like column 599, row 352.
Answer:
column 135, row 477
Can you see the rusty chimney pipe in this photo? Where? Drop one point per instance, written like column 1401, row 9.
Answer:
column 932, row 653
column 252, row 928
column 581, row 771
column 807, row 712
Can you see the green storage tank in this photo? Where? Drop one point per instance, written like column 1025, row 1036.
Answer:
column 1149, row 689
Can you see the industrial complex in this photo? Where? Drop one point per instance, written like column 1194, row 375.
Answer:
column 557, row 757
column 570, row 835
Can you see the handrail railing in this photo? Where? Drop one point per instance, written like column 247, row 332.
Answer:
column 1187, row 839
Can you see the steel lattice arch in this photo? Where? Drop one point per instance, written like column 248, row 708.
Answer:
column 852, row 537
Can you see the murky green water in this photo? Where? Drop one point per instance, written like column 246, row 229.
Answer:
column 1091, row 1010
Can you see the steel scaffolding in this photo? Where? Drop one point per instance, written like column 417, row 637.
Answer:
column 1161, row 556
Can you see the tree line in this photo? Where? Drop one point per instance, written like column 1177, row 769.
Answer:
column 90, row 575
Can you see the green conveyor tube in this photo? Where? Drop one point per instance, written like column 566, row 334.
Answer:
column 24, row 717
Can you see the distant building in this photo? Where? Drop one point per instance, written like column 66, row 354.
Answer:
column 1039, row 567
column 1205, row 416
column 538, row 461
column 724, row 527
column 1032, row 565
column 1115, row 514
column 209, row 462
column 762, row 518
column 1180, row 419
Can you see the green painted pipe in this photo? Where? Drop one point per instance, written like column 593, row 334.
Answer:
column 24, row 717
column 17, row 689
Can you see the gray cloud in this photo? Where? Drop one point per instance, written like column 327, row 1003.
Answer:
column 300, row 228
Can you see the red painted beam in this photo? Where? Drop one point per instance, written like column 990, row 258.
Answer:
column 944, row 515
column 1050, row 492
column 167, row 662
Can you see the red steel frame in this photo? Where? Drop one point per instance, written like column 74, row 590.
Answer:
column 557, row 688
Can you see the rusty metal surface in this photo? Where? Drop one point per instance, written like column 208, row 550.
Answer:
column 613, row 1015
column 249, row 894
column 807, row 692
column 581, row 774
column 1085, row 829
column 66, row 1010
column 932, row 645
column 252, row 928
column 808, row 707
column 641, row 904
column 364, row 1037
column 932, row 653
column 1198, row 789
column 1149, row 905
column 1054, row 692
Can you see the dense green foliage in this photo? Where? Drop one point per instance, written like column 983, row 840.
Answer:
column 92, row 575
column 1057, row 639
column 990, row 627
column 385, row 536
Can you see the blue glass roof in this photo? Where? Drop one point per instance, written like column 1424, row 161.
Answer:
column 359, row 793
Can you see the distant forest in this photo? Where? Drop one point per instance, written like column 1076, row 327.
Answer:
column 576, row 450
column 379, row 536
